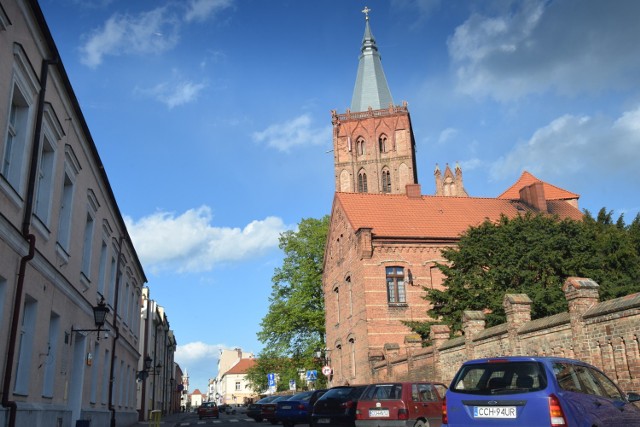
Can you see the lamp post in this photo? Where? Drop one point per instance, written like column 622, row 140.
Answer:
column 99, row 317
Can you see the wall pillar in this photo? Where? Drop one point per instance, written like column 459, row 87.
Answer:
column 472, row 324
column 517, row 307
column 581, row 294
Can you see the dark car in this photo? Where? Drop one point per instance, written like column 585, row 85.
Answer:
column 401, row 404
column 536, row 391
column 269, row 409
column 337, row 407
column 297, row 410
column 208, row 409
column 255, row 409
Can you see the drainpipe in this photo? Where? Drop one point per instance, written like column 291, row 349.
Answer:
column 143, row 392
column 116, row 333
column 31, row 239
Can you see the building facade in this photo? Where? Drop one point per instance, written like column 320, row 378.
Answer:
column 230, row 385
column 65, row 254
column 385, row 238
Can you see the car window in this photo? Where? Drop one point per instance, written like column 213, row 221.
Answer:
column 383, row 392
column 441, row 389
column 499, row 378
column 425, row 393
column 609, row 388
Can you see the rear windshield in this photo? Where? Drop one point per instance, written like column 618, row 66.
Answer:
column 500, row 378
column 343, row 393
column 383, row 392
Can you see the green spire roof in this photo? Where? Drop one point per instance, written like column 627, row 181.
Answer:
column 371, row 88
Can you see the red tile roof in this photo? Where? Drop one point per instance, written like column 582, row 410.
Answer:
column 551, row 192
column 241, row 367
column 432, row 217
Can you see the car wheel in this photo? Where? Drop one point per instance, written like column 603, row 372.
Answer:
column 420, row 423
column 258, row 420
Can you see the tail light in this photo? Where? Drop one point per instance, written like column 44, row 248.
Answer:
column 555, row 412
column 301, row 406
column 445, row 418
column 347, row 405
column 403, row 414
column 358, row 414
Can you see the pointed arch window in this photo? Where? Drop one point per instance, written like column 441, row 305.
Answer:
column 386, row 181
column 361, row 147
column 362, row 182
column 382, row 143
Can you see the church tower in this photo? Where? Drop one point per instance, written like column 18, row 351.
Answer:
column 373, row 143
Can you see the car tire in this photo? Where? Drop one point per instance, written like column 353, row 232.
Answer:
column 258, row 420
column 420, row 423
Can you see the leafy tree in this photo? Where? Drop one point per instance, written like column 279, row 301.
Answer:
column 294, row 325
column 532, row 254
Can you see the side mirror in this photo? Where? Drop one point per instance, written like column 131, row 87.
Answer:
column 633, row 397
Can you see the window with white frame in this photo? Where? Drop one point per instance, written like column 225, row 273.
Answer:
column 238, row 386
column 51, row 134
column 71, row 170
column 93, row 394
column 87, row 249
column 25, row 347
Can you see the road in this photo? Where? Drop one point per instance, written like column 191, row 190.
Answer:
column 237, row 420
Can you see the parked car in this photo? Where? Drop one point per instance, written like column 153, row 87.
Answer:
column 297, row 410
column 208, row 409
column 255, row 409
column 337, row 407
column 405, row 404
column 269, row 409
column 536, row 391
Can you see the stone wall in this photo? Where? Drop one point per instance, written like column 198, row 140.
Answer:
column 604, row 334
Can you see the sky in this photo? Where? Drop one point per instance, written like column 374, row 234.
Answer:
column 213, row 121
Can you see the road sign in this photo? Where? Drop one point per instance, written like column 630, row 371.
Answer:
column 326, row 370
column 292, row 385
column 271, row 380
column 312, row 375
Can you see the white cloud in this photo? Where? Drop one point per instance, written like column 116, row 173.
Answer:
column 578, row 145
column 146, row 33
column 446, row 135
column 198, row 351
column 190, row 243
column 175, row 94
column 200, row 10
column 532, row 46
column 297, row 132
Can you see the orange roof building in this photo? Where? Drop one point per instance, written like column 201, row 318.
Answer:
column 385, row 238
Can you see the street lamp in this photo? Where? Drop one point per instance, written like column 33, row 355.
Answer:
column 148, row 370
column 99, row 317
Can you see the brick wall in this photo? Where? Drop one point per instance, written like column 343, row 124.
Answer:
column 604, row 334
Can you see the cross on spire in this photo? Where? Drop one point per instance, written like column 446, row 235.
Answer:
column 366, row 11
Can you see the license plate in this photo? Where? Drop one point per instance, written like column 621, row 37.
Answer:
column 494, row 412
column 378, row 412
column 286, row 407
column 324, row 420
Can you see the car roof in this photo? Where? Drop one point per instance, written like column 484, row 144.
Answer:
column 524, row 359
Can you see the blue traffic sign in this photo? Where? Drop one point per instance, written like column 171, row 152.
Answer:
column 312, row 375
column 271, row 379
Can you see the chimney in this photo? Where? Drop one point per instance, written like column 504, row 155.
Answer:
column 533, row 195
column 413, row 191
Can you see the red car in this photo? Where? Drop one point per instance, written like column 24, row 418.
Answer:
column 412, row 403
column 208, row 409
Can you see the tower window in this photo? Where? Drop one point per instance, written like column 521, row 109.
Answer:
column 382, row 143
column 362, row 182
column 361, row 147
column 386, row 181
column 395, row 285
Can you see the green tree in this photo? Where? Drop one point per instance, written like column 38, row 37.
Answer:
column 293, row 327
column 531, row 254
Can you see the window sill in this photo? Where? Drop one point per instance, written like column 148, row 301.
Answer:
column 398, row 304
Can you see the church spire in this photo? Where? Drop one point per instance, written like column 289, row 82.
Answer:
column 371, row 89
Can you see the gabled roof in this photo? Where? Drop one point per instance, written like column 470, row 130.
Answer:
column 241, row 367
column 432, row 217
column 551, row 192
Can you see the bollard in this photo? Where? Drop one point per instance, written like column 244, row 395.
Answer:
column 155, row 417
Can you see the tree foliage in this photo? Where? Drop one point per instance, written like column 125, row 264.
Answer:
column 533, row 254
column 293, row 327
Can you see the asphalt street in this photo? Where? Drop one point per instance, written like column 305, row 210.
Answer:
column 191, row 419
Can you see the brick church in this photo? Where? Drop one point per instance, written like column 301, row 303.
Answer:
column 385, row 237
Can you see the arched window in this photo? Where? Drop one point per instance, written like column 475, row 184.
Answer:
column 382, row 143
column 396, row 293
column 386, row 181
column 352, row 356
column 362, row 182
column 361, row 147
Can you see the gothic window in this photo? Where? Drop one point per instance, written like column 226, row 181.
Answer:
column 352, row 356
column 395, row 285
column 361, row 147
column 386, row 181
column 336, row 292
column 382, row 143
column 362, row 182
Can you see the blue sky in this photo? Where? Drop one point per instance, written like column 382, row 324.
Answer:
column 212, row 118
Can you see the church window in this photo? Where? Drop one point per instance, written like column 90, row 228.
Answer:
column 362, row 182
column 382, row 143
column 395, row 285
column 361, row 147
column 386, row 181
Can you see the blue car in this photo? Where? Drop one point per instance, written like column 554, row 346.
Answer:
column 297, row 409
column 536, row 391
